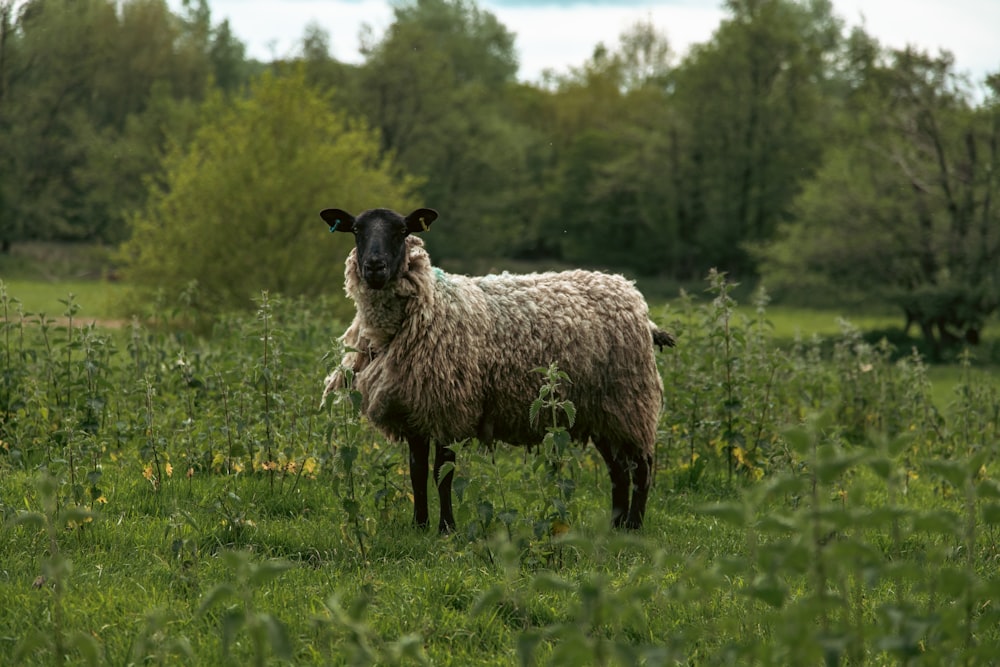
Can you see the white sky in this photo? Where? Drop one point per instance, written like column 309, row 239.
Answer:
column 559, row 37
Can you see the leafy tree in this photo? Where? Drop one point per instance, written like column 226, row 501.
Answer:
column 79, row 77
column 904, row 207
column 610, row 124
column 238, row 208
column 754, row 105
column 436, row 87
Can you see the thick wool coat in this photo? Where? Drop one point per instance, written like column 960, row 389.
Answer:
column 452, row 357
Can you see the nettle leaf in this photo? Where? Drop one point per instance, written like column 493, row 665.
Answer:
column 769, row 589
column 991, row 514
column 446, row 467
column 268, row 571
column 777, row 524
column 953, row 472
column 988, row 488
column 215, row 595
column 570, row 411
column 954, row 582
column 832, row 469
column 527, row 642
column 277, row 635
column 30, row 519
column 536, row 405
column 881, row 466
column 77, row 514
column 799, row 439
column 900, row 443
column 487, row 601
column 942, row 522
column 735, row 514
column 352, row 507
column 783, row 484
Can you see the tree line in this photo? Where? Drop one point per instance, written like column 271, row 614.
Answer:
column 786, row 148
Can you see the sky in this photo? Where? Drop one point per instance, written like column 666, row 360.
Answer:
column 558, row 35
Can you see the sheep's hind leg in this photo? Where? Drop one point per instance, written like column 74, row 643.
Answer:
column 640, row 467
column 442, row 455
column 619, row 483
column 420, row 453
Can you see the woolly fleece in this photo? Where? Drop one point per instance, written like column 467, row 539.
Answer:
column 452, row 357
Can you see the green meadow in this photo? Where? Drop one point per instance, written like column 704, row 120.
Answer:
column 166, row 498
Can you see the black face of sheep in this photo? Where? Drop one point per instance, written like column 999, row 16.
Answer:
column 380, row 237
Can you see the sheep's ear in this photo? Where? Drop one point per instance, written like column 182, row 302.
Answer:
column 339, row 221
column 420, row 220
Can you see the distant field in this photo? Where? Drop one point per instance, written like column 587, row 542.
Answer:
column 99, row 299
column 96, row 298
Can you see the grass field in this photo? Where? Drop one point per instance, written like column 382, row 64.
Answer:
column 97, row 299
column 172, row 499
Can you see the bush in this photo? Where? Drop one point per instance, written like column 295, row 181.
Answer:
column 238, row 208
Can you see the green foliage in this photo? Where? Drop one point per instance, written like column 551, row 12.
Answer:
column 87, row 95
column 901, row 207
column 780, row 146
column 444, row 116
column 238, row 209
column 169, row 498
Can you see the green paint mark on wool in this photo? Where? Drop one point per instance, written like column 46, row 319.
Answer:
column 438, row 274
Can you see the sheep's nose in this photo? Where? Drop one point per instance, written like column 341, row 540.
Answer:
column 375, row 264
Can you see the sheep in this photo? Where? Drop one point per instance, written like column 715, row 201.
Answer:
column 442, row 357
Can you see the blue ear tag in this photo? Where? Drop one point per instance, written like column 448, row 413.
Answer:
column 334, row 226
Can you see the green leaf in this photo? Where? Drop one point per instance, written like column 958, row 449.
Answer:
column 487, row 601
column 991, row 514
column 900, row 443
column 881, row 466
column 550, row 582
column 799, row 439
column 87, row 646
column 953, row 472
column 988, row 488
column 351, row 506
column 954, row 582
column 942, row 522
column 527, row 642
column 770, row 590
column 731, row 513
column 277, row 635
column 268, row 571
column 830, row 470
column 233, row 620
column 777, row 524
column 76, row 514
column 536, row 405
column 410, row 646
column 570, row 411
column 446, row 467
column 215, row 595
column 34, row 520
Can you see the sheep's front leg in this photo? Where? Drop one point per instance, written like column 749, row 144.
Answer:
column 442, row 455
column 420, row 454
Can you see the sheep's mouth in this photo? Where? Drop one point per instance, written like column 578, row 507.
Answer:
column 376, row 279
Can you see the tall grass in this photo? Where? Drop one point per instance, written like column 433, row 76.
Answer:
column 171, row 498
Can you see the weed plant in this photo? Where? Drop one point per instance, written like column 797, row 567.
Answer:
column 172, row 498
